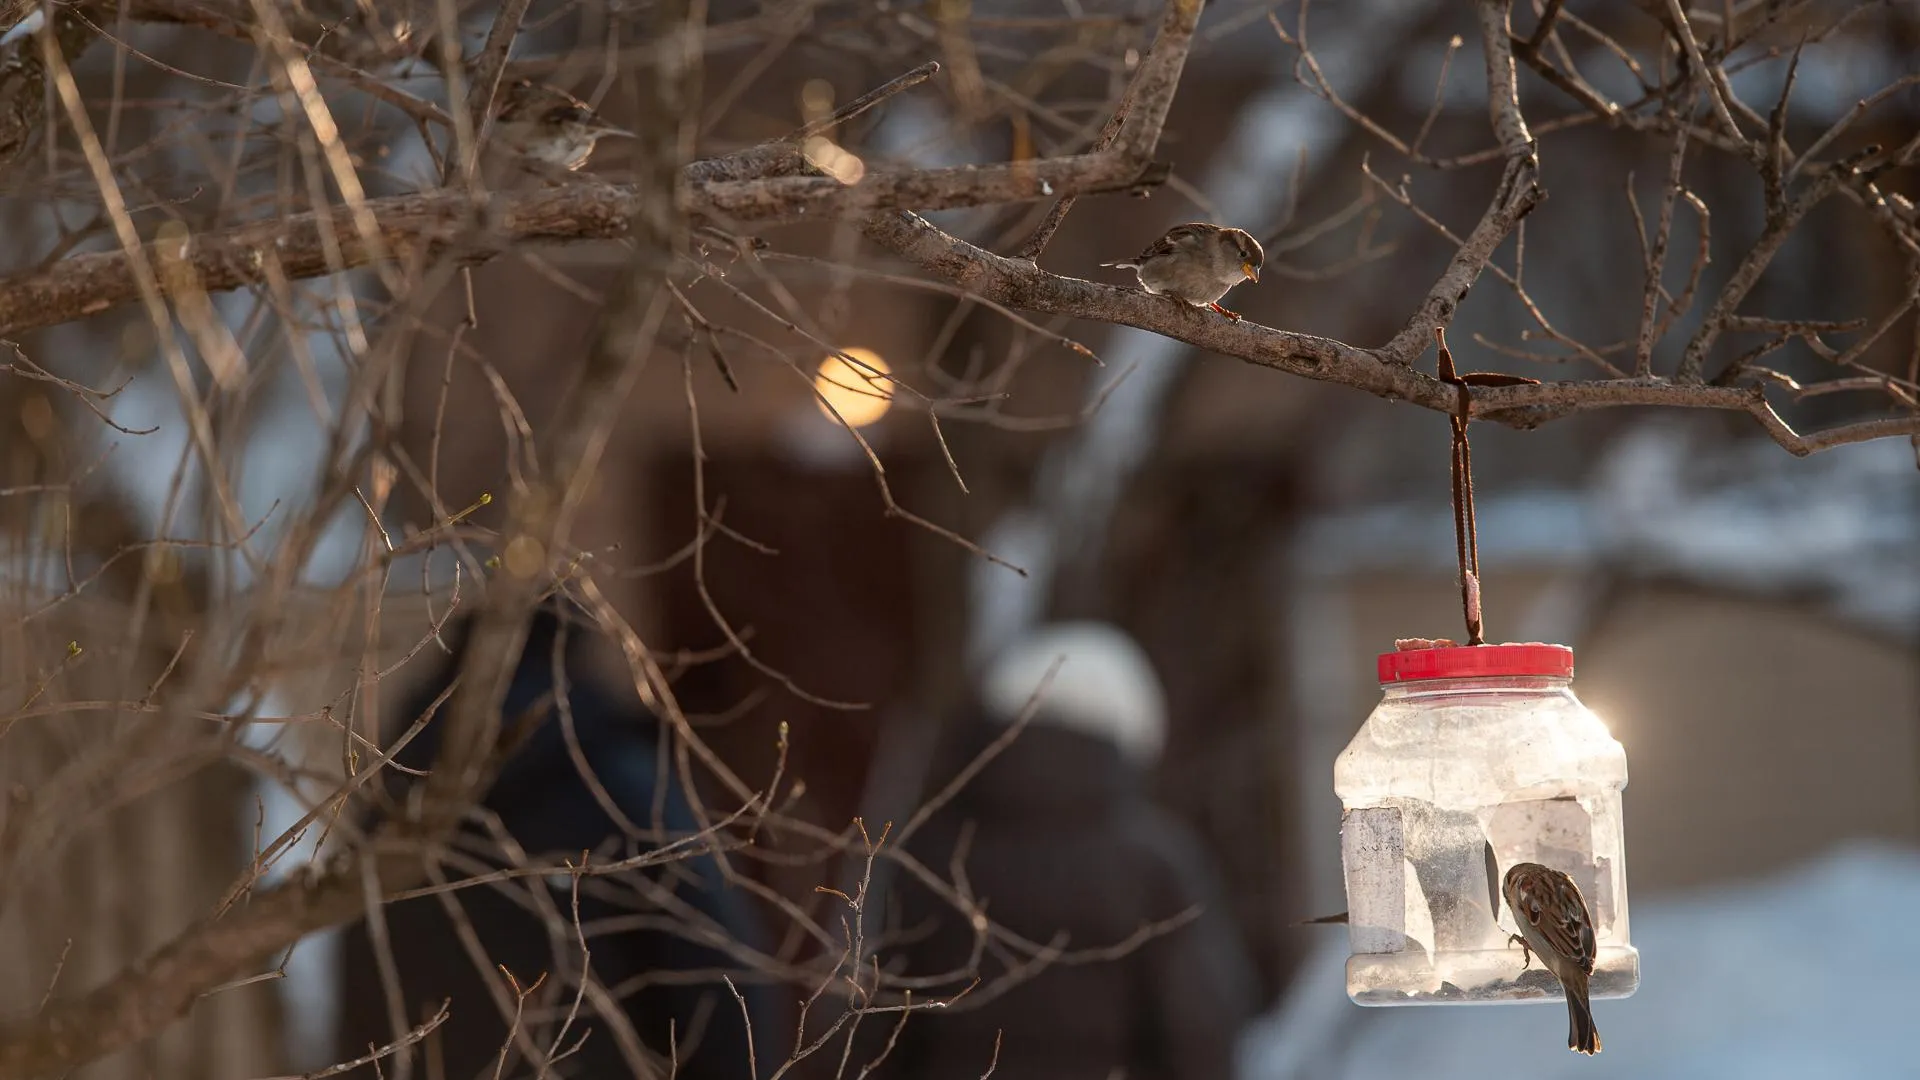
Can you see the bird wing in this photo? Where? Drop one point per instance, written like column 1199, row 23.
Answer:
column 564, row 108
column 527, row 96
column 1571, row 931
column 557, row 96
column 1176, row 238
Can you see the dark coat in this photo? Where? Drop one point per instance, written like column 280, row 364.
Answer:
column 543, row 802
column 1065, row 842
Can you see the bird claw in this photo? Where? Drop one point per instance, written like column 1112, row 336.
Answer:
column 1526, row 951
column 1231, row 315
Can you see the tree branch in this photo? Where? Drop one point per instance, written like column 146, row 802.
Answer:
column 774, row 183
column 539, row 517
column 143, row 1000
column 1516, row 195
column 1531, row 406
column 492, row 61
column 1020, row 284
column 1382, row 371
column 1133, row 130
column 1683, row 30
column 1781, row 222
column 234, row 258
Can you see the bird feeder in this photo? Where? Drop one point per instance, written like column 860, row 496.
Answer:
column 1477, row 757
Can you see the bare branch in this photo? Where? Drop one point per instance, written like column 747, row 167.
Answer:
column 1657, row 258
column 150, row 996
column 1780, row 224
column 1683, row 29
column 414, row 227
column 868, row 100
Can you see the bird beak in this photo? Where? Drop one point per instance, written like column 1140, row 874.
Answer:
column 1252, row 272
column 621, row 132
column 21, row 29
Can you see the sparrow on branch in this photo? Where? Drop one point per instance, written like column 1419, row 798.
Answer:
column 549, row 127
column 1198, row 263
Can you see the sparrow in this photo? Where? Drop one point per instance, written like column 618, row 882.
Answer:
column 1554, row 923
column 1198, row 263
column 548, row 126
column 22, row 104
column 23, row 71
column 18, row 19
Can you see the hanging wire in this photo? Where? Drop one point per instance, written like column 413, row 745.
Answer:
column 1465, row 538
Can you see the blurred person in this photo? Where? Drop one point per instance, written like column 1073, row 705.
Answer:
column 549, row 809
column 1062, row 843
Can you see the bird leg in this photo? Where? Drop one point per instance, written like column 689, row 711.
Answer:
column 1526, row 952
column 1234, row 315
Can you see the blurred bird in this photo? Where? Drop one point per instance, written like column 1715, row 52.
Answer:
column 20, row 106
column 21, row 78
column 1198, row 263
column 549, row 127
column 23, row 70
column 1554, row 923
column 18, row 18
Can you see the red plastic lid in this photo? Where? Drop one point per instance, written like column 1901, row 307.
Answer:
column 1467, row 661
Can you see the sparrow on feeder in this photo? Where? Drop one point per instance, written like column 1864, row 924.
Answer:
column 1555, row 925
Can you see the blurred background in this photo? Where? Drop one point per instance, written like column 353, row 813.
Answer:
column 1746, row 622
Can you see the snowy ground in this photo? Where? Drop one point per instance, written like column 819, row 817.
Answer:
column 1811, row 973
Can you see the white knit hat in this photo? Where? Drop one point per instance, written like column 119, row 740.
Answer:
column 1105, row 686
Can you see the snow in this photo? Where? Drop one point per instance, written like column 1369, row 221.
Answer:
column 1781, row 977
column 1664, row 501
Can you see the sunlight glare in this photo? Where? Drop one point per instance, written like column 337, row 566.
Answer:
column 859, row 392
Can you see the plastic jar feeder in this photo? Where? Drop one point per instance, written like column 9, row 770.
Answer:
column 1477, row 758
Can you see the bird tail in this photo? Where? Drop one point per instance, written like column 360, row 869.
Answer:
column 1582, row 1036
column 1123, row 265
